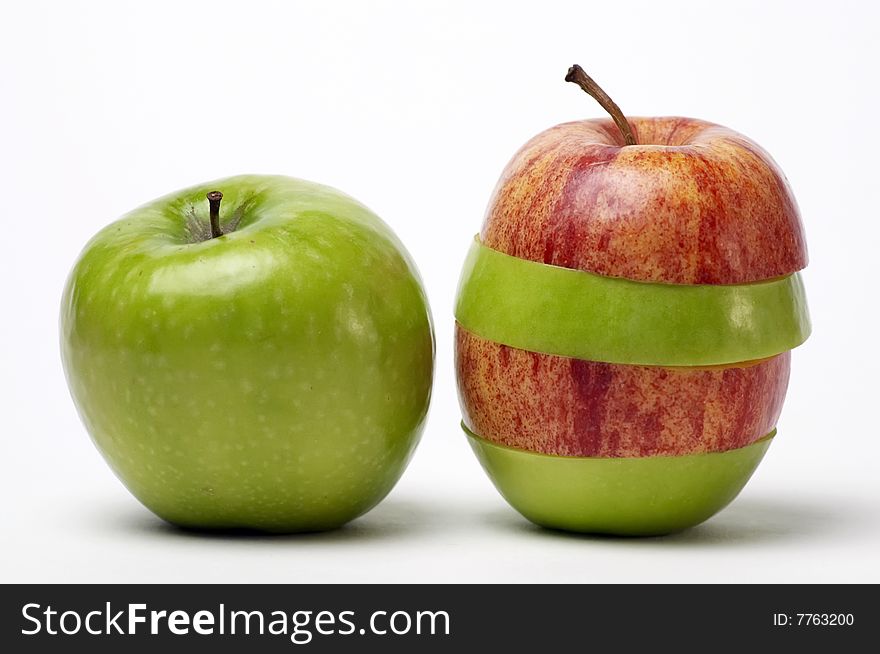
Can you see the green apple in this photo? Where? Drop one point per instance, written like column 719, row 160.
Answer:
column 543, row 308
column 265, row 363
column 642, row 496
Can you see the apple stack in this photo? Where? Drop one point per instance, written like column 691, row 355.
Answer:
column 624, row 321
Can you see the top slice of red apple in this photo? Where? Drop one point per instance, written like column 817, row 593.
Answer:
column 690, row 203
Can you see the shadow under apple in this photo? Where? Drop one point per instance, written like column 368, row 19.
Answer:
column 746, row 521
column 392, row 519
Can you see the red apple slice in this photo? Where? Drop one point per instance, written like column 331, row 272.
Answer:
column 691, row 203
column 573, row 407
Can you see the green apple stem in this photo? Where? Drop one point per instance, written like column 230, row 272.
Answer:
column 577, row 75
column 214, row 198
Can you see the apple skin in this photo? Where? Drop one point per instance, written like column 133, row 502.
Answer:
column 692, row 203
column 275, row 378
column 571, row 407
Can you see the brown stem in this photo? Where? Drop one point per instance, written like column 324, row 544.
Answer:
column 577, row 75
column 214, row 198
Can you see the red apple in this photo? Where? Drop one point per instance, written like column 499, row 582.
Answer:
column 690, row 203
column 571, row 407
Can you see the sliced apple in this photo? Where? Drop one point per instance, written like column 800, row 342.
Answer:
column 634, row 497
column 690, row 203
column 542, row 308
column 573, row 407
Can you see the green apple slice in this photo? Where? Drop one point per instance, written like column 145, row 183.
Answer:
column 542, row 308
column 624, row 496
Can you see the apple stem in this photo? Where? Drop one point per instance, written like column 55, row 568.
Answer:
column 214, row 198
column 577, row 75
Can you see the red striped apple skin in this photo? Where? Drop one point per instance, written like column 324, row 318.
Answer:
column 572, row 407
column 693, row 203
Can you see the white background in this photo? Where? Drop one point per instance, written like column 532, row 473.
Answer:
column 414, row 108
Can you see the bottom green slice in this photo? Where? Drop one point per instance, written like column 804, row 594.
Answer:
column 624, row 496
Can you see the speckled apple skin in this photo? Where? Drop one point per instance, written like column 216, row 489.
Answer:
column 275, row 378
column 693, row 203
column 572, row 407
